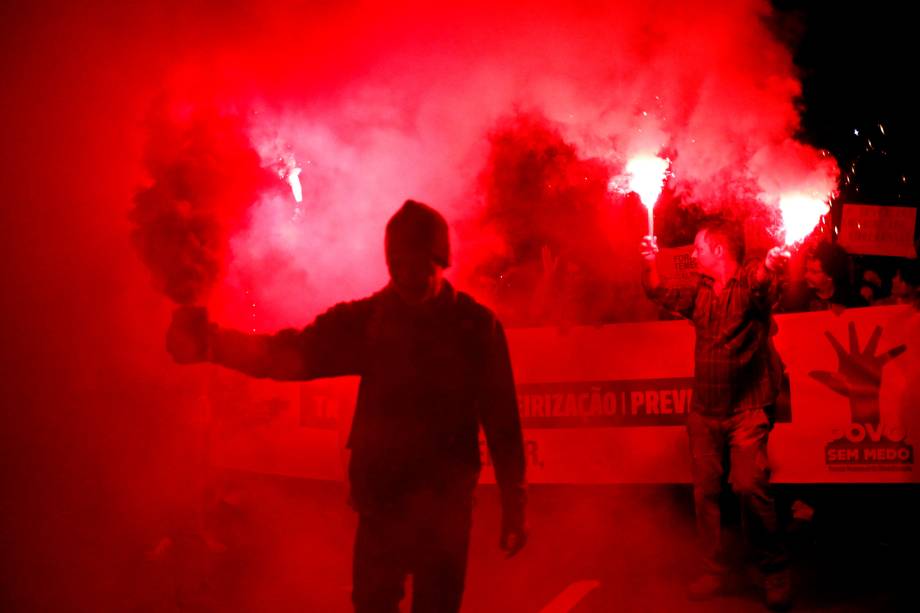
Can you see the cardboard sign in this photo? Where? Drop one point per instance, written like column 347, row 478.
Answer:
column 878, row 230
column 676, row 267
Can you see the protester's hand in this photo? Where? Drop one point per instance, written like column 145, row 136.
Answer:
column 513, row 539
column 187, row 335
column 649, row 248
column 776, row 259
column 514, row 526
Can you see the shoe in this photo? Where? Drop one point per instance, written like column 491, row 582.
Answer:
column 706, row 586
column 778, row 591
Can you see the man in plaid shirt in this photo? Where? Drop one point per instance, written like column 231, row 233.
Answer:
column 737, row 377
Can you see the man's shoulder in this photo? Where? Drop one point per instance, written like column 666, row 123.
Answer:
column 350, row 309
column 471, row 309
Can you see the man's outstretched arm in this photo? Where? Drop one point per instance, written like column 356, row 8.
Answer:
column 330, row 346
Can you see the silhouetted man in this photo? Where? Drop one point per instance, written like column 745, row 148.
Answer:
column 736, row 382
column 434, row 366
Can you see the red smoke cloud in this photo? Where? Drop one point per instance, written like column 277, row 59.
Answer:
column 553, row 256
column 407, row 106
column 205, row 174
column 386, row 101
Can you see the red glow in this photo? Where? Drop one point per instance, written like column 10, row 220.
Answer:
column 373, row 117
column 376, row 102
column 801, row 215
column 293, row 179
column 646, row 177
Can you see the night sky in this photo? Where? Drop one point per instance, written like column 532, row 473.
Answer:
column 857, row 75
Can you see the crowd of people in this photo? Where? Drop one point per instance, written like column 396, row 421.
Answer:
column 830, row 278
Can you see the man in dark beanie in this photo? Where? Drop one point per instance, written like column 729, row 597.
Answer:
column 434, row 367
column 420, row 226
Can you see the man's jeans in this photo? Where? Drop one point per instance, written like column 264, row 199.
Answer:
column 426, row 535
column 745, row 437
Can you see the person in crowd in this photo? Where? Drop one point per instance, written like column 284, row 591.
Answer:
column 826, row 282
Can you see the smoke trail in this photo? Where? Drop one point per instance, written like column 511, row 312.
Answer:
column 549, row 211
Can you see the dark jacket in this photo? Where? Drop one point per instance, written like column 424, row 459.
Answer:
column 430, row 376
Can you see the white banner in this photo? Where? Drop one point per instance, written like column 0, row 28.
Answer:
column 607, row 405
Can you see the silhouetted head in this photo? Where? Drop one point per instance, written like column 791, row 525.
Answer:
column 417, row 250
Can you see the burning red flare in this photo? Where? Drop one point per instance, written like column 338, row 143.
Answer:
column 293, row 179
column 646, row 177
column 801, row 214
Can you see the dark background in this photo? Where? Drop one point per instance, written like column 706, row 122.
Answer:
column 857, row 69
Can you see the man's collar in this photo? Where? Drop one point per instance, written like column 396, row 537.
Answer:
column 445, row 296
column 709, row 280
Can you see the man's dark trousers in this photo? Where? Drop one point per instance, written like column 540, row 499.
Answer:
column 426, row 535
column 744, row 435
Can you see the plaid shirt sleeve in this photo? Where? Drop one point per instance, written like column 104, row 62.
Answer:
column 765, row 290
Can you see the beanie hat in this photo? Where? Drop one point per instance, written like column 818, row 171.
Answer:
column 418, row 227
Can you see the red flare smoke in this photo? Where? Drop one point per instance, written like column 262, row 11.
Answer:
column 205, row 174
